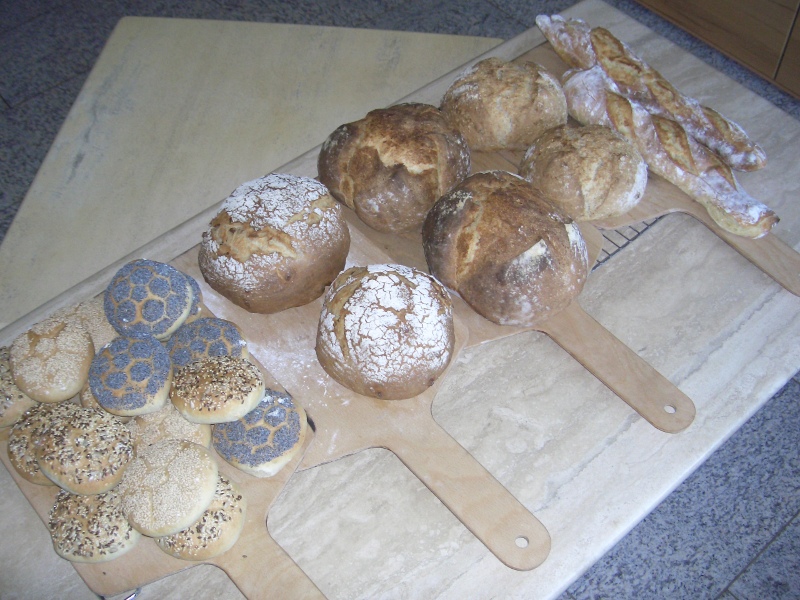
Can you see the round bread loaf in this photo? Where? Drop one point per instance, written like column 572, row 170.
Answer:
column 147, row 298
column 510, row 254
column 501, row 105
column 85, row 451
column 90, row 529
column 26, row 435
column 590, row 172
column 50, row 362
column 130, row 377
column 217, row 389
column 265, row 439
column 385, row 331
column 392, row 165
column 216, row 531
column 166, row 424
column 204, row 338
column 275, row 244
column 168, row 486
column 13, row 401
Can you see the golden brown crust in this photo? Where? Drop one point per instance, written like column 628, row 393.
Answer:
column 590, row 172
column 501, row 105
column 392, row 165
column 507, row 251
column 275, row 244
column 13, row 401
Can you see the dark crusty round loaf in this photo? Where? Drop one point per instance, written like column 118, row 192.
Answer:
column 392, row 165
column 501, row 105
column 509, row 253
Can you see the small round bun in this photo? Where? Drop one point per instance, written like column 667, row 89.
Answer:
column 275, row 244
column 392, row 165
column 590, row 172
column 501, row 105
column 85, row 451
column 166, row 424
column 216, row 531
column 266, row 438
column 90, row 529
column 13, row 401
column 204, row 338
column 50, row 362
column 168, row 486
column 510, row 254
column 217, row 389
column 26, row 435
column 130, row 377
column 147, row 298
column 385, row 331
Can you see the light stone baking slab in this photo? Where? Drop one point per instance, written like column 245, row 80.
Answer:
column 176, row 114
column 568, row 448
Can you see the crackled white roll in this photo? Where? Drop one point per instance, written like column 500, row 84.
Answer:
column 276, row 243
column 510, row 254
column 385, row 331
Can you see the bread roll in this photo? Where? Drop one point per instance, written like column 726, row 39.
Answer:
column 501, row 105
column 206, row 337
column 166, row 424
column 216, row 531
column 392, row 165
column 85, row 451
column 217, row 389
column 13, row 401
column 509, row 253
column 168, row 486
column 265, row 439
column 148, row 298
column 90, row 529
column 50, row 362
column 275, row 243
column 590, row 173
column 385, row 331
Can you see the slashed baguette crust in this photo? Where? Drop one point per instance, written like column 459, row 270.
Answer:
column 582, row 47
column 669, row 152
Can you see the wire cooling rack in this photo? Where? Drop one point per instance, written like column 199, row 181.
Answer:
column 615, row 240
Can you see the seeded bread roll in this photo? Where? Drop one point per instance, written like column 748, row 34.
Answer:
column 590, row 173
column 168, row 486
column 275, row 244
column 85, row 452
column 205, row 337
column 13, row 401
column 501, row 105
column 217, row 389
column 392, row 165
column 90, row 529
column 50, row 361
column 385, row 331
column 265, row 439
column 166, row 424
column 216, row 531
column 510, row 254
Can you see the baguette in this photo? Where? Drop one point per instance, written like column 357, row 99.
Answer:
column 669, row 152
column 583, row 47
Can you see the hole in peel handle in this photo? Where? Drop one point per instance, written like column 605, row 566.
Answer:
column 493, row 515
column 627, row 374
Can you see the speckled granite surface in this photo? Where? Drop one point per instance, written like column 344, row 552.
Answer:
column 730, row 531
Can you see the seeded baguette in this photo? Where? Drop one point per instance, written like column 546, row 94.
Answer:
column 583, row 47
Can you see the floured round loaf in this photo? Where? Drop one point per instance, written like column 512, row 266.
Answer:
column 392, row 165
column 275, row 243
column 50, row 362
column 90, row 529
column 510, row 254
column 168, row 486
column 590, row 172
column 216, row 531
column 385, row 331
column 501, row 105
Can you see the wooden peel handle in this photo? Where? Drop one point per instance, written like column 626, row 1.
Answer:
column 473, row 495
column 634, row 380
